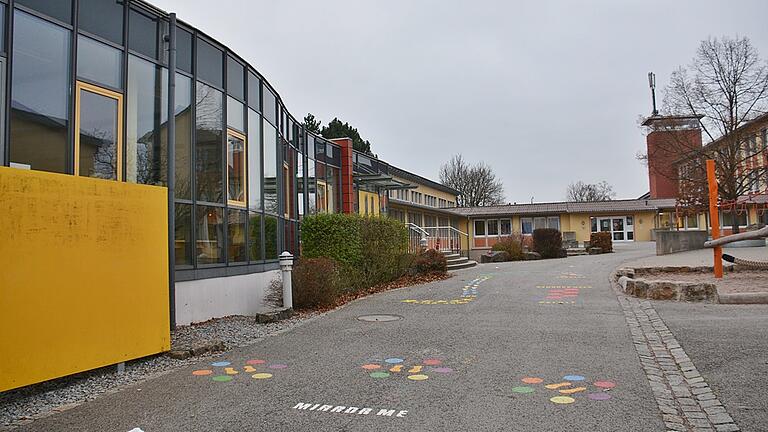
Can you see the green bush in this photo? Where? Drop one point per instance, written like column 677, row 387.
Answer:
column 369, row 250
column 430, row 261
column 602, row 240
column 512, row 245
column 547, row 242
column 315, row 283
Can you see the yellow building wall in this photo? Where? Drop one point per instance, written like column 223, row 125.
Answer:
column 463, row 226
column 426, row 190
column 85, row 274
column 365, row 196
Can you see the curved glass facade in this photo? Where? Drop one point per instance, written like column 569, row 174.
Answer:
column 85, row 86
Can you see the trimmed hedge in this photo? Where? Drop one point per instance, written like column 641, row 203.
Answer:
column 602, row 240
column 547, row 242
column 369, row 250
column 429, row 262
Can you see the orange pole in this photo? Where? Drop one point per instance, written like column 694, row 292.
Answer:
column 714, row 217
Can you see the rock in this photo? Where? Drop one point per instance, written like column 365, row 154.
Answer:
column 531, row 256
column 662, row 290
column 494, row 256
column 179, row 354
column 595, row 250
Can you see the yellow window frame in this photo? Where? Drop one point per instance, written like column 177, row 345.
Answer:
column 240, row 136
column 80, row 87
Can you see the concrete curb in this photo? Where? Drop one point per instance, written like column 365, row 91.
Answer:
column 744, row 298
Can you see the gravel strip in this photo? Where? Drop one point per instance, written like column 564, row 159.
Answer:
column 38, row 400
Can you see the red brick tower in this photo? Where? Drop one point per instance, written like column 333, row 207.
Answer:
column 347, row 190
column 671, row 138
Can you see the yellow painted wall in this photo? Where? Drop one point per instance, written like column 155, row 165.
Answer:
column 84, row 278
column 426, row 190
column 364, row 195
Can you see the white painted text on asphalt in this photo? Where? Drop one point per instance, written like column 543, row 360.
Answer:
column 341, row 409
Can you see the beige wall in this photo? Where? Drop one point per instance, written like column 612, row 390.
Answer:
column 426, row 190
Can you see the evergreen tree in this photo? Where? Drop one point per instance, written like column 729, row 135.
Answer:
column 337, row 129
column 311, row 124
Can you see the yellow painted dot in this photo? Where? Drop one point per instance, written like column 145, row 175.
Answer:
column 562, row 400
column 262, row 375
column 417, row 377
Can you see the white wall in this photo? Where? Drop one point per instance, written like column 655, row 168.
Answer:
column 201, row 300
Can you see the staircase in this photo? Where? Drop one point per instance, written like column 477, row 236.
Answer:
column 458, row 262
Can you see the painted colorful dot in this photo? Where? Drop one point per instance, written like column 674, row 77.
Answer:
column 468, row 294
column 396, row 365
column 567, row 388
column 228, row 372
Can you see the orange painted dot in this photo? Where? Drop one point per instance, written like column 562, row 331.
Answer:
column 532, row 380
column 432, row 362
column 255, row 362
column 202, row 372
column 371, row 366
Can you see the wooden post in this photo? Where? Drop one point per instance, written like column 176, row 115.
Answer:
column 714, row 216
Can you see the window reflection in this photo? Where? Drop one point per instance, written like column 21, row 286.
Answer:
column 270, row 237
column 210, row 235
column 208, row 160
column 236, row 151
column 146, row 158
column 254, row 160
column 270, row 169
column 183, row 245
column 99, row 63
column 97, row 150
column 254, row 237
column 236, row 236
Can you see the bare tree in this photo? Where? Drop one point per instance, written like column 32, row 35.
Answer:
column 726, row 87
column 589, row 192
column 477, row 184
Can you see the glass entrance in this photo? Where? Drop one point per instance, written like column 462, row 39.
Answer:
column 620, row 227
column 98, row 132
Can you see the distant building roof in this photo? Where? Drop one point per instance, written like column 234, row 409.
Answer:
column 415, row 178
column 616, row 206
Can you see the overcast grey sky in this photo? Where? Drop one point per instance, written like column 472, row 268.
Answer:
column 546, row 92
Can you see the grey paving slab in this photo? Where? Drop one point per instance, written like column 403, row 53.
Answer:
column 489, row 343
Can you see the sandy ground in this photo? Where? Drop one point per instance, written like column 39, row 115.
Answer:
column 733, row 282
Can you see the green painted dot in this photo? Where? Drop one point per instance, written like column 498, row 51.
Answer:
column 222, row 378
column 379, row 374
column 522, row 389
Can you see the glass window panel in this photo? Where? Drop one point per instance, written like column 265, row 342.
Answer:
column 40, row 94
column 270, row 169
column 208, row 138
column 692, row 221
column 618, row 224
column 270, row 237
column 235, row 114
column 184, row 50
column 236, row 152
column 210, row 63
column 300, row 183
column 103, row 18
column 146, row 103
column 183, row 243
column 593, row 224
column 493, row 227
column 142, row 34
column 98, row 136
column 618, row 235
column 235, row 78
column 99, row 62
column 630, row 235
column 311, row 188
column 2, row 27
column 630, row 220
column 254, row 160
column 59, row 9
column 334, row 190
column 236, row 237
column 210, row 235
column 479, row 228
column 553, row 222
column 506, row 226
column 526, row 225
column 254, row 92
column 254, row 237
column 183, row 114
column 539, row 223
column 269, row 105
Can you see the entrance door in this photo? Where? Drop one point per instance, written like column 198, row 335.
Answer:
column 98, row 132
column 620, row 227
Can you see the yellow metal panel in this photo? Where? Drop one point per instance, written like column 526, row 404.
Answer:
column 84, row 280
column 365, row 196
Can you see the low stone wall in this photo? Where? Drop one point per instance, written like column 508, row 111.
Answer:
column 668, row 242
column 669, row 290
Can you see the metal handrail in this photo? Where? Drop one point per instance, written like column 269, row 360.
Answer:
column 417, row 228
column 450, row 228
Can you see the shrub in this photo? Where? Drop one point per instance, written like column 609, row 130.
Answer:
column 512, row 245
column 315, row 283
column 335, row 236
column 547, row 242
column 384, row 249
column 602, row 240
column 430, row 261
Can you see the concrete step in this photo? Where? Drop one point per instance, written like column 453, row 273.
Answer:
column 466, row 263
column 457, row 259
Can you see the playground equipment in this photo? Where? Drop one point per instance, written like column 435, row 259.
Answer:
column 717, row 242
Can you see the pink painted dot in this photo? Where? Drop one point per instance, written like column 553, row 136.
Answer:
column 443, row 370
column 278, row 366
column 605, row 384
column 255, row 362
column 371, row 366
column 432, row 362
column 599, row 396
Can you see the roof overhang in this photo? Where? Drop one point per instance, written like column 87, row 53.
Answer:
column 382, row 181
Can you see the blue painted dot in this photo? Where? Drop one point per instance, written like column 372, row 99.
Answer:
column 394, row 360
column 574, row 378
column 221, row 364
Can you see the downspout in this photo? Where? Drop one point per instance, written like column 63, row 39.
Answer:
column 172, row 168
